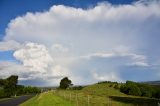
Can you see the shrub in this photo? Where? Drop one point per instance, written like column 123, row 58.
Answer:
column 131, row 88
column 157, row 95
column 124, row 88
column 134, row 90
column 77, row 88
column 116, row 86
column 110, row 85
column 146, row 92
column 139, row 89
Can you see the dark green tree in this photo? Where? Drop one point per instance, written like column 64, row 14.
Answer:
column 20, row 90
column 1, row 82
column 65, row 83
column 10, row 85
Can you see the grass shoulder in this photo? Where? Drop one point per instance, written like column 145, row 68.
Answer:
column 47, row 99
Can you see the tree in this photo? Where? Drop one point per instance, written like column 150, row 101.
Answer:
column 65, row 83
column 1, row 82
column 20, row 90
column 10, row 85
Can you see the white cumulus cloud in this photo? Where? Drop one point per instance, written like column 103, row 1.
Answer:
column 35, row 56
column 61, row 36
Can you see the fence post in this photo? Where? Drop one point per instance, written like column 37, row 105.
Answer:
column 64, row 95
column 88, row 100
column 108, row 101
column 76, row 100
column 70, row 96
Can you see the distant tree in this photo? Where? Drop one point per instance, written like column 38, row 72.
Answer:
column 31, row 90
column 20, row 90
column 65, row 83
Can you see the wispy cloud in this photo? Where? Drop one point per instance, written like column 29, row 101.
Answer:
column 9, row 45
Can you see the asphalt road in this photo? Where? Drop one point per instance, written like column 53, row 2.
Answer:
column 15, row 101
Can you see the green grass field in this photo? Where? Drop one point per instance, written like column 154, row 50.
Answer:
column 93, row 95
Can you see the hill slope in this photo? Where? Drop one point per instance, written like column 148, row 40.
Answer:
column 105, row 89
column 105, row 94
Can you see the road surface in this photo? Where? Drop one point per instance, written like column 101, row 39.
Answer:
column 15, row 101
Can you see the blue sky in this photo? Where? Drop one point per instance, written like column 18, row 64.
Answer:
column 86, row 40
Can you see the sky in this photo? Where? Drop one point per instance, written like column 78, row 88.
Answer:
column 88, row 41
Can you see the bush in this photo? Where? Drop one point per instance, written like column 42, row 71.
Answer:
column 139, row 89
column 102, row 82
column 124, row 88
column 110, row 85
column 134, row 90
column 157, row 95
column 146, row 92
column 77, row 88
column 130, row 88
column 116, row 86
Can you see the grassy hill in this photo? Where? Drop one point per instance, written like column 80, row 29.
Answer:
column 103, row 94
column 104, row 89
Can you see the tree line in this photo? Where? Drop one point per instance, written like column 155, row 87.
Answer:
column 9, row 87
column 140, row 89
column 136, row 89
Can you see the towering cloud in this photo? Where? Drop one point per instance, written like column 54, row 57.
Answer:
column 98, row 42
column 34, row 56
